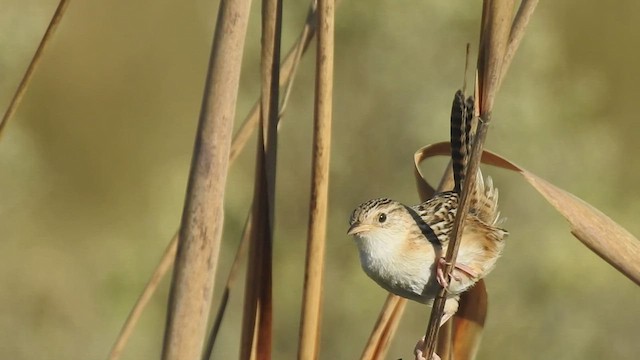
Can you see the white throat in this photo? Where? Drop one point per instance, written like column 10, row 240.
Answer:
column 384, row 257
column 378, row 250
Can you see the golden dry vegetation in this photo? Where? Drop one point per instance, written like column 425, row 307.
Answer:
column 93, row 170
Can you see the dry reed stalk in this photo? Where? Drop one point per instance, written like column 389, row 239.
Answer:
column 472, row 312
column 443, row 341
column 495, row 17
column 217, row 322
column 26, row 78
column 465, row 331
column 288, row 70
column 385, row 328
column 257, row 317
column 158, row 274
column 496, row 25
column 202, row 219
column 468, row 322
column 312, row 293
column 525, row 11
column 287, row 75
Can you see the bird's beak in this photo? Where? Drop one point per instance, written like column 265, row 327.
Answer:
column 357, row 228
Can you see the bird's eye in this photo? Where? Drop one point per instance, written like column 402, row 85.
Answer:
column 382, row 218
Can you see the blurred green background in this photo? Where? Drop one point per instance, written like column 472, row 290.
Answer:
column 93, row 170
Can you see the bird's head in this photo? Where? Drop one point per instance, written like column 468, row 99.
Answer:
column 381, row 219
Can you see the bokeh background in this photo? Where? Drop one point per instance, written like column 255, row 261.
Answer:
column 93, row 170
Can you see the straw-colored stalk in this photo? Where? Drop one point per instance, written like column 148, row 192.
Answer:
column 287, row 75
column 385, row 328
column 312, row 293
column 494, row 40
column 593, row 228
column 257, row 317
column 26, row 78
column 202, row 218
column 158, row 274
column 224, row 300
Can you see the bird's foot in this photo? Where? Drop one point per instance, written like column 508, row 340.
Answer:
column 442, row 279
column 440, row 276
column 417, row 351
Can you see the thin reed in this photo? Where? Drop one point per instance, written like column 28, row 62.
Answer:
column 33, row 65
column 191, row 332
column 310, row 319
column 202, row 218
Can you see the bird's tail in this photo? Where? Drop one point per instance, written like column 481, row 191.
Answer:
column 461, row 138
column 484, row 201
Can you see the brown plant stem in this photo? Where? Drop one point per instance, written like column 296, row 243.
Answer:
column 469, row 321
column 525, row 11
column 385, row 328
column 496, row 23
column 312, row 294
column 288, row 68
column 35, row 61
column 257, row 316
column 454, row 240
column 202, row 218
column 233, row 272
column 158, row 274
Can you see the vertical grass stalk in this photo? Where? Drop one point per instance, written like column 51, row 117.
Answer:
column 496, row 24
column 288, row 69
column 26, row 78
column 202, row 217
column 257, row 317
column 312, row 294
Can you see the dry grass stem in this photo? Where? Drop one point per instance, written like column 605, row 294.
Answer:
column 454, row 240
column 468, row 323
column 288, row 69
column 301, row 46
column 500, row 37
column 132, row 320
column 256, row 337
column 231, row 278
column 312, row 292
column 26, row 78
column 525, row 11
column 385, row 328
column 202, row 219
column 443, row 342
column 496, row 24
column 494, row 38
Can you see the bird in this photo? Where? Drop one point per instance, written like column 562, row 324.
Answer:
column 402, row 247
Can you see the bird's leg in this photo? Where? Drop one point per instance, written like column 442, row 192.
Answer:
column 442, row 279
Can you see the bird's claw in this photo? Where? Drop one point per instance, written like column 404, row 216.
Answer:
column 440, row 276
column 442, row 279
